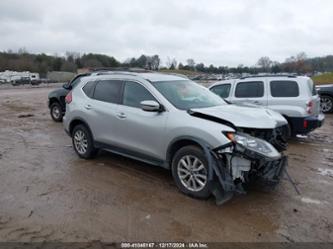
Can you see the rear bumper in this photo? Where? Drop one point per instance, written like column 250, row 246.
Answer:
column 305, row 125
column 66, row 126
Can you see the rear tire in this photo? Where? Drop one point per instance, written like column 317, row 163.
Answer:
column 326, row 103
column 83, row 142
column 190, row 172
column 56, row 112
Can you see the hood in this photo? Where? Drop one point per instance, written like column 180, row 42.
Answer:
column 324, row 85
column 241, row 116
column 58, row 92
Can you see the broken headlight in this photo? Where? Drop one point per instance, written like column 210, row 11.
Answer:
column 244, row 141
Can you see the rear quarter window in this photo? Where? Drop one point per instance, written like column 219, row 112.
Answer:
column 89, row 88
column 284, row 88
column 250, row 89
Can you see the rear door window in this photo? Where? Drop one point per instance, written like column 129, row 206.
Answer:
column 284, row 88
column 134, row 93
column 250, row 89
column 222, row 90
column 108, row 91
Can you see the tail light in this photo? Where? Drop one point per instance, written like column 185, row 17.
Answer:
column 69, row 98
column 305, row 124
column 309, row 106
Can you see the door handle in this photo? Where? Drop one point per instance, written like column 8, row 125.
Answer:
column 121, row 115
column 88, row 107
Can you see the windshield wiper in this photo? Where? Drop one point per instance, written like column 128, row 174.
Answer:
column 227, row 101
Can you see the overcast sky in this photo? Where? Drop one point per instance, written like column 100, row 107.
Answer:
column 219, row 32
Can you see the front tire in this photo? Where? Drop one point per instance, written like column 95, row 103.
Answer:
column 326, row 103
column 83, row 142
column 56, row 112
column 190, row 172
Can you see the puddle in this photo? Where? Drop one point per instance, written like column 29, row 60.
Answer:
column 326, row 172
column 310, row 201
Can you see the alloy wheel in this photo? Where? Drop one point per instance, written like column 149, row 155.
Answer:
column 192, row 173
column 80, row 142
column 326, row 104
column 56, row 112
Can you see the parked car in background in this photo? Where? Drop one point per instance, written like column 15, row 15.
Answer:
column 295, row 97
column 21, row 81
column 326, row 97
column 173, row 122
column 56, row 98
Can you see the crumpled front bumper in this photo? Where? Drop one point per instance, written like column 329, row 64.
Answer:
column 265, row 172
column 272, row 171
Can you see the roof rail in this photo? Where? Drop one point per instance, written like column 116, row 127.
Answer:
column 270, row 75
column 117, row 69
column 175, row 74
column 114, row 72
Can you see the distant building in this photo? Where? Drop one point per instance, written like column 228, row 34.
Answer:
column 59, row 76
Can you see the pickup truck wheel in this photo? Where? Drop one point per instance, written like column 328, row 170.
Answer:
column 83, row 142
column 326, row 103
column 190, row 172
column 56, row 112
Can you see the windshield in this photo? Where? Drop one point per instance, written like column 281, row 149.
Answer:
column 186, row 94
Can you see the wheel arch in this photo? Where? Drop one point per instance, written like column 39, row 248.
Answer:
column 78, row 121
column 326, row 93
column 180, row 142
column 53, row 100
column 290, row 124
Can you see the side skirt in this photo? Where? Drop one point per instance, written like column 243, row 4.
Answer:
column 132, row 154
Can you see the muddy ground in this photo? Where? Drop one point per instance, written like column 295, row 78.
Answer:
column 48, row 193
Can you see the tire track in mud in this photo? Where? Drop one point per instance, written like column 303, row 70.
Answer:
column 37, row 233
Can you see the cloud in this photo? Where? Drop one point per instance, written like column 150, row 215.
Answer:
column 218, row 32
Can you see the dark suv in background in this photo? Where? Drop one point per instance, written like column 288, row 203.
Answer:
column 57, row 103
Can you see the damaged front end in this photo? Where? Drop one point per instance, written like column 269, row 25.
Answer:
column 278, row 136
column 245, row 161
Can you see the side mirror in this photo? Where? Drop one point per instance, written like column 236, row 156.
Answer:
column 151, row 106
column 67, row 86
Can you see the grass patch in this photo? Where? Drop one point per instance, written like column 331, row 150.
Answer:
column 323, row 79
column 185, row 72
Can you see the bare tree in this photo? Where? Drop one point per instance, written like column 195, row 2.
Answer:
column 190, row 63
column 300, row 63
column 265, row 63
column 155, row 62
column 171, row 63
column 297, row 64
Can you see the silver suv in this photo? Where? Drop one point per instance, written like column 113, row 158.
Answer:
column 295, row 97
column 210, row 146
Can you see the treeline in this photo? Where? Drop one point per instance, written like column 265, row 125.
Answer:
column 42, row 63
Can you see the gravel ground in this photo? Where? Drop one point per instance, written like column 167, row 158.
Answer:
column 48, row 193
